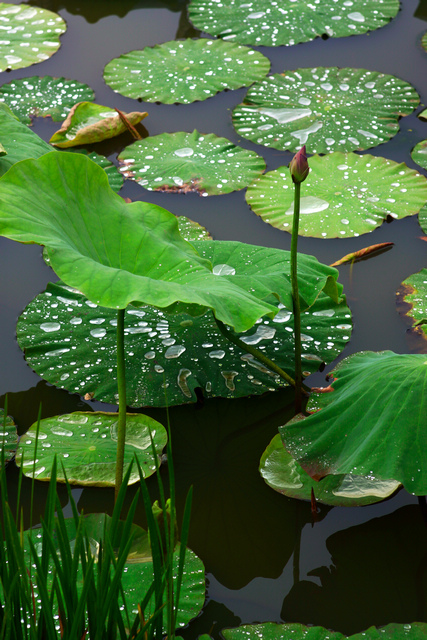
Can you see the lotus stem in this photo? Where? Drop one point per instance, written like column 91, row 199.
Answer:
column 255, row 352
column 295, row 299
column 121, row 387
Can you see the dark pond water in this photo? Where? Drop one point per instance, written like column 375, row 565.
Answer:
column 265, row 561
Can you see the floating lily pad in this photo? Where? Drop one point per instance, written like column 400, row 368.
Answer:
column 18, row 140
column 185, row 71
column 283, row 474
column 344, row 195
column 44, row 96
column 419, row 153
column 263, row 23
column 87, row 123
column 72, row 344
column 413, row 291
column 326, row 109
column 137, row 576
column 86, row 445
column 8, row 437
column 422, row 218
column 373, row 422
column 29, row 35
column 296, row 631
column 184, row 162
column 115, row 178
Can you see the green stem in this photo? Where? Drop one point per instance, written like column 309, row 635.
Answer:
column 255, row 352
column 121, row 386
column 295, row 299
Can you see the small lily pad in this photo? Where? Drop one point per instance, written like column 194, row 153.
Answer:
column 183, row 162
column 263, row 23
column 296, row 631
column 115, row 178
column 43, row 96
column 344, row 195
column 169, row 354
column 8, row 437
column 413, row 292
column 87, row 123
column 29, row 35
column 86, row 445
column 325, row 108
column 283, row 474
column 185, row 71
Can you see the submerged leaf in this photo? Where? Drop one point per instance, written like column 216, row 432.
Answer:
column 196, row 70
column 363, row 253
column 87, row 123
column 182, row 162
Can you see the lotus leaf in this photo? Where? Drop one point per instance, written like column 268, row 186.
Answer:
column 325, row 109
column 191, row 230
column 3, row 151
column 72, row 343
column 8, row 437
column 86, row 444
column 263, row 23
column 128, row 252
column 185, row 71
column 345, row 195
column 371, row 423
column 29, row 35
column 183, row 162
column 414, row 293
column 283, row 474
column 137, row 576
column 115, row 179
column 18, row 140
column 296, row 631
column 44, row 96
column 419, row 153
column 422, row 218
column 87, row 123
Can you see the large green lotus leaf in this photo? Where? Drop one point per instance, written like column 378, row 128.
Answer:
column 263, row 23
column 88, row 122
column 325, row 109
column 8, row 437
column 345, row 195
column 86, row 445
column 185, row 71
column 296, row 631
column 373, row 422
column 72, row 344
column 184, row 162
column 29, row 35
column 137, row 576
column 115, row 178
column 43, row 96
column 118, row 253
column 413, row 291
column 18, row 140
column 283, row 474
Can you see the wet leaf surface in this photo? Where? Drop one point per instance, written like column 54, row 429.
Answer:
column 8, row 437
column 413, row 292
column 115, row 178
column 296, row 631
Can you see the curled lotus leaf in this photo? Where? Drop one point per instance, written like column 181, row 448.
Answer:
column 296, row 631
column 8, row 437
column 182, row 162
column 283, row 474
column 87, row 123
column 324, row 108
column 29, row 35
column 43, row 96
column 263, row 23
column 413, row 292
column 344, row 195
column 72, row 343
column 372, row 421
column 196, row 70
column 86, row 445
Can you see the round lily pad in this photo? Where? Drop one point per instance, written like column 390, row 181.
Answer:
column 325, row 109
column 413, row 292
column 185, row 71
column 283, row 474
column 183, row 162
column 271, row 24
column 419, row 154
column 296, row 631
column 8, row 437
column 87, row 123
column 344, row 195
column 115, row 178
column 43, row 96
column 86, row 445
column 29, row 35
column 72, row 344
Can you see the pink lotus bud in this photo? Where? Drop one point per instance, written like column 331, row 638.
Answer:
column 299, row 166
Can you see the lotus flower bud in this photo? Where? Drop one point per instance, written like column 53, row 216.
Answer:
column 299, row 166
